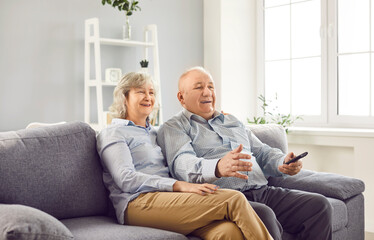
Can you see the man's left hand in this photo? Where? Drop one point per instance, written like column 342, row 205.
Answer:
column 292, row 168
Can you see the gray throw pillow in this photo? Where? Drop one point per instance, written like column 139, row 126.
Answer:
column 26, row 223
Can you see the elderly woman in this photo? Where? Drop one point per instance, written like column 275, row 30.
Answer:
column 141, row 190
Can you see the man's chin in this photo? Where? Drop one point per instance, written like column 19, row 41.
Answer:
column 207, row 114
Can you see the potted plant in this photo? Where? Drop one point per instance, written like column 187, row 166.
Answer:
column 144, row 65
column 128, row 7
column 285, row 120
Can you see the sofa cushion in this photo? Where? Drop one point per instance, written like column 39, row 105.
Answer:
column 25, row 223
column 55, row 169
column 105, row 228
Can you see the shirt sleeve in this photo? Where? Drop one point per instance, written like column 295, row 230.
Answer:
column 117, row 160
column 181, row 157
column 267, row 158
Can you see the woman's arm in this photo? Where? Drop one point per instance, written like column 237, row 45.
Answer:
column 117, row 160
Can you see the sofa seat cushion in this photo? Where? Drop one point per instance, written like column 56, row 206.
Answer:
column 55, row 169
column 105, row 228
column 20, row 222
column 339, row 214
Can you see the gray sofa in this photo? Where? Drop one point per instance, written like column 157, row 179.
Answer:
column 51, row 188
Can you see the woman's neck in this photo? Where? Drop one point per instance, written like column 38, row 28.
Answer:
column 138, row 121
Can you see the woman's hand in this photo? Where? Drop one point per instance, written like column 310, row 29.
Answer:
column 202, row 189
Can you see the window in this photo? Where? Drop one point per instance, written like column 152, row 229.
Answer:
column 317, row 59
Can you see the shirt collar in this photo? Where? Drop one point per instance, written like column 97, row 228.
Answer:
column 126, row 122
column 216, row 114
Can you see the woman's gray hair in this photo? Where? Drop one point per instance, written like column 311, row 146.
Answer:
column 121, row 91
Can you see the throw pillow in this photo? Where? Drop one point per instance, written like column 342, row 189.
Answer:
column 26, row 223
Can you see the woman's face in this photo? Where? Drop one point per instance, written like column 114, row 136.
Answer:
column 140, row 102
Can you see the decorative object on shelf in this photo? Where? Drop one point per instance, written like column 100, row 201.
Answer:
column 285, row 120
column 113, row 75
column 144, row 65
column 128, row 7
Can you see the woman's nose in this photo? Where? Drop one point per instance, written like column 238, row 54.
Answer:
column 147, row 96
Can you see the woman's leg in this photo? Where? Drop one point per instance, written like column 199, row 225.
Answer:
column 186, row 212
column 219, row 230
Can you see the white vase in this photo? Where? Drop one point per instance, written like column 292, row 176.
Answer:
column 126, row 31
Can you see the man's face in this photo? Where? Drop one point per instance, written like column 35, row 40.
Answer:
column 197, row 94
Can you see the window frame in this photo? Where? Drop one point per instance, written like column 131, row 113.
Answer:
column 329, row 71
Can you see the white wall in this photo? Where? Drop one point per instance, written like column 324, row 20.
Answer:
column 42, row 54
column 229, row 54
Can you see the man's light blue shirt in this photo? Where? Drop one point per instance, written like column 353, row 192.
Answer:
column 193, row 146
column 132, row 163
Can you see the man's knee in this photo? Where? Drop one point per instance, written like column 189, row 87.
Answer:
column 322, row 206
column 268, row 217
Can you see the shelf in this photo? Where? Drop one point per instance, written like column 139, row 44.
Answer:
column 94, row 83
column 120, row 42
column 93, row 41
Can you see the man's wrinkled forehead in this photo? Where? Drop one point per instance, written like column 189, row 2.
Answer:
column 210, row 82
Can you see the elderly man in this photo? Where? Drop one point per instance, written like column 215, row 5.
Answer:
column 203, row 145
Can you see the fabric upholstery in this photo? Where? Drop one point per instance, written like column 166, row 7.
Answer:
column 327, row 184
column 356, row 219
column 272, row 134
column 104, row 228
column 25, row 223
column 339, row 214
column 55, row 169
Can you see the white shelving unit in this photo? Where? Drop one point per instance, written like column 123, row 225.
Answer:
column 92, row 36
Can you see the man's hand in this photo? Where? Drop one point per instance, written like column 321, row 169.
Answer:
column 292, row 168
column 202, row 189
column 230, row 164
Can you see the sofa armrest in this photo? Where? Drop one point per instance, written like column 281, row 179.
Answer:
column 327, row 184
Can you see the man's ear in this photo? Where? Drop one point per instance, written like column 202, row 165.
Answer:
column 180, row 97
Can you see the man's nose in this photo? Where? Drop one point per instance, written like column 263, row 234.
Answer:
column 207, row 92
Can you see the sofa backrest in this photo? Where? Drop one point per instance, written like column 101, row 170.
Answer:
column 273, row 135
column 55, row 169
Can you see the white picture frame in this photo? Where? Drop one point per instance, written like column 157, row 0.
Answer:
column 113, row 75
